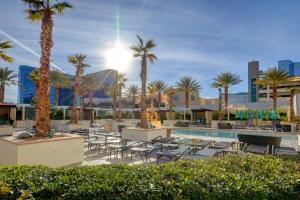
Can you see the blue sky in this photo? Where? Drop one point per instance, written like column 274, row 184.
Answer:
column 200, row 38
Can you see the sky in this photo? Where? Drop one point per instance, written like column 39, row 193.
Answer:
column 199, row 38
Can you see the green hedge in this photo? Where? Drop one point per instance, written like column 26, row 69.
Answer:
column 231, row 177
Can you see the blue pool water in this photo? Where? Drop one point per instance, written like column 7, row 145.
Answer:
column 207, row 133
column 287, row 139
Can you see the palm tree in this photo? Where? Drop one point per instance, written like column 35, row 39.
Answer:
column 143, row 50
column 187, row 84
column 170, row 91
column 113, row 92
column 43, row 10
column 82, row 91
column 4, row 45
column 78, row 60
column 293, row 92
column 121, row 80
column 59, row 80
column 219, row 87
column 227, row 79
column 7, row 77
column 152, row 93
column 133, row 91
column 92, row 84
column 160, row 86
column 273, row 77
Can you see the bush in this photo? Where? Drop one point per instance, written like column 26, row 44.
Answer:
column 231, row 177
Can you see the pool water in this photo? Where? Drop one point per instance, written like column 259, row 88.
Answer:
column 221, row 135
column 208, row 133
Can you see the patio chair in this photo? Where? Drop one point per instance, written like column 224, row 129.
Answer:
column 285, row 151
column 172, row 155
column 203, row 154
column 122, row 148
column 222, row 145
column 257, row 149
column 145, row 150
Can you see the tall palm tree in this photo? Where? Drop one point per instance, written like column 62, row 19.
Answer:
column 143, row 51
column 227, row 79
column 59, row 81
column 133, row 91
column 170, row 91
column 121, row 80
column 7, row 77
column 219, row 87
column 43, row 10
column 152, row 91
column 4, row 45
column 187, row 84
column 160, row 86
column 78, row 60
column 112, row 91
column 82, row 91
column 273, row 77
column 92, row 84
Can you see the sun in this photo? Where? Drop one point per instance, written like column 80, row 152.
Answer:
column 119, row 57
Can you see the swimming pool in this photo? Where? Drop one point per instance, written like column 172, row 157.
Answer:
column 221, row 135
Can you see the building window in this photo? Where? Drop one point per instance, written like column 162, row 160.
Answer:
column 192, row 97
column 175, row 98
column 253, row 90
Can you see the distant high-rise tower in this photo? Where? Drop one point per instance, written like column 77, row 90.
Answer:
column 287, row 66
column 253, row 75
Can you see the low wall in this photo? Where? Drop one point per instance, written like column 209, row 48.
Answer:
column 53, row 152
column 138, row 134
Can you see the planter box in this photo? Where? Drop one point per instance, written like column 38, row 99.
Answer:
column 138, row 134
column 53, row 152
column 6, row 130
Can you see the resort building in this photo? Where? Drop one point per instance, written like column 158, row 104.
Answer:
column 26, row 88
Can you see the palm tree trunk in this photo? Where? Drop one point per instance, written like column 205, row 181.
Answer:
column 226, row 101
column 143, row 76
column 159, row 99
column 2, row 91
column 152, row 108
column 171, row 107
column 114, row 107
column 91, row 99
column 274, row 88
column 56, row 95
column 120, row 103
column 43, row 102
column 81, row 107
column 74, row 118
column 133, row 106
column 159, row 103
column 91, row 105
column 292, row 112
column 220, row 103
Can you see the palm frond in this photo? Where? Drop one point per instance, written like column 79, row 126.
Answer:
column 59, row 8
column 140, row 40
column 34, row 15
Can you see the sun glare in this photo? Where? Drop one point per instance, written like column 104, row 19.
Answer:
column 119, row 57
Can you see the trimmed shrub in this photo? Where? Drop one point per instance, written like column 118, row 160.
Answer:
column 230, row 177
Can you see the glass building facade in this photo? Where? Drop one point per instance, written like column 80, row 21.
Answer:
column 292, row 68
column 27, row 90
column 287, row 66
